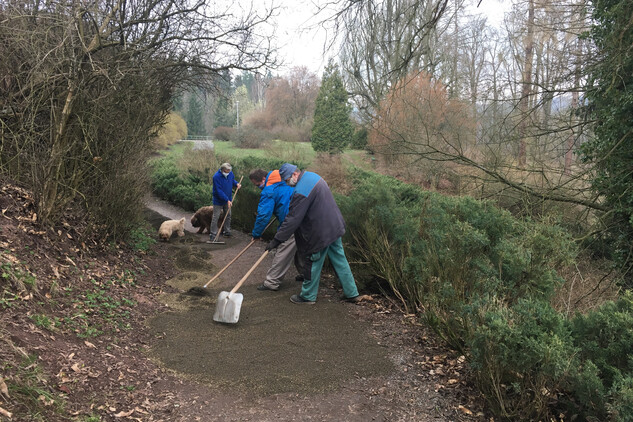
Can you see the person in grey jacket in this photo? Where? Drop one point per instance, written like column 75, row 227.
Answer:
column 317, row 223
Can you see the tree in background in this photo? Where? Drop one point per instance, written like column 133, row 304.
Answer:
column 288, row 109
column 332, row 130
column 385, row 40
column 195, row 124
column 611, row 104
column 222, row 111
column 177, row 104
column 359, row 141
column 242, row 105
column 291, row 99
column 247, row 80
column 419, row 128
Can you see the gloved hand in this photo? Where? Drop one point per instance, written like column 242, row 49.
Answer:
column 273, row 244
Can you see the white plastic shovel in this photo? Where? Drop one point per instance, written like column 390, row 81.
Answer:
column 229, row 303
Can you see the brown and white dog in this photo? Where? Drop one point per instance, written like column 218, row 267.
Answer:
column 169, row 226
column 202, row 218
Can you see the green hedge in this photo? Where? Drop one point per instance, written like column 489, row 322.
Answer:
column 451, row 247
column 186, row 190
column 484, row 280
column 602, row 383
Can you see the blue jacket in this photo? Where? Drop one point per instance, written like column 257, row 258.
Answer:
column 223, row 188
column 313, row 215
column 274, row 199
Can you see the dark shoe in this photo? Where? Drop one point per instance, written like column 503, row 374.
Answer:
column 301, row 301
column 354, row 299
column 299, row 278
column 265, row 287
column 227, row 234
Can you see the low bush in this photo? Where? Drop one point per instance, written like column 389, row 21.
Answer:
column 174, row 129
column 450, row 244
column 293, row 133
column 223, row 133
column 251, row 137
column 332, row 169
column 522, row 356
column 602, row 384
column 480, row 277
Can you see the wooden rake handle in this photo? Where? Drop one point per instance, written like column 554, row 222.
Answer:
column 229, row 264
column 239, row 283
column 227, row 212
column 237, row 256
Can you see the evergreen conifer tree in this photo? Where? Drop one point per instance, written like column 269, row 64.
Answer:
column 223, row 114
column 332, row 130
column 195, row 125
column 610, row 102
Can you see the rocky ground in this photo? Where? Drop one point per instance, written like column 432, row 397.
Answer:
column 97, row 332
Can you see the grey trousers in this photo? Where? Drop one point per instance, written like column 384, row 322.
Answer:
column 217, row 212
column 282, row 260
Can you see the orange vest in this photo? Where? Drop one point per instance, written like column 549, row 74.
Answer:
column 273, row 177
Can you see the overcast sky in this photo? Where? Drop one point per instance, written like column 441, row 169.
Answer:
column 302, row 40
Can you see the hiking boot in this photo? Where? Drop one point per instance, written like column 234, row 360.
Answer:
column 301, row 301
column 264, row 287
column 354, row 299
column 299, row 278
column 226, row 234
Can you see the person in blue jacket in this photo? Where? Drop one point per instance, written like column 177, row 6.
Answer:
column 274, row 200
column 223, row 184
column 317, row 224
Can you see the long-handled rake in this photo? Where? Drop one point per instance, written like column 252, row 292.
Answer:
column 202, row 291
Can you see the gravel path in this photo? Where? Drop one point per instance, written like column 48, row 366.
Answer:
column 333, row 361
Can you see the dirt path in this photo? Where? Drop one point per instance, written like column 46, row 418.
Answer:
column 283, row 362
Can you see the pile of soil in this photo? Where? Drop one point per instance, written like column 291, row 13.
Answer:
column 126, row 342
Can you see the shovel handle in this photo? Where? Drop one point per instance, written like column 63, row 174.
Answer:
column 239, row 283
column 229, row 264
column 237, row 256
column 227, row 212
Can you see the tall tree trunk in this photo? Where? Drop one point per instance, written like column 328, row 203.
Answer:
column 571, row 139
column 50, row 196
column 569, row 149
column 454, row 78
column 526, row 85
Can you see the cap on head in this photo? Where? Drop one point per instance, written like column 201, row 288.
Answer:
column 226, row 167
column 286, row 170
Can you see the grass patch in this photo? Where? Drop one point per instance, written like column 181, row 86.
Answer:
column 287, row 151
column 98, row 310
column 176, row 150
column 29, row 387
column 141, row 238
